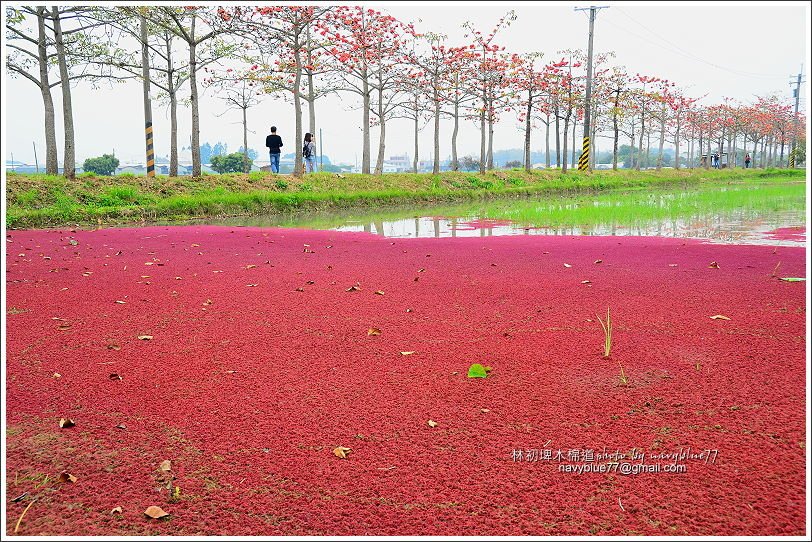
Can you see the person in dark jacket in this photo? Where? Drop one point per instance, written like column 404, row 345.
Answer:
column 274, row 144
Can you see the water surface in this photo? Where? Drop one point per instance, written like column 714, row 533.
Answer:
column 744, row 213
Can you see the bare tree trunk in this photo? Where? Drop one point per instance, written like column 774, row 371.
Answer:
column 51, row 161
column 366, row 157
column 642, row 133
column 382, row 139
column 616, row 130
column 490, row 143
column 173, row 109
column 298, row 160
column 482, row 156
column 781, row 157
column 196, row 165
column 173, row 132
column 246, row 159
column 731, row 162
column 564, row 154
column 557, row 138
column 593, row 156
column 436, row 168
column 574, row 160
column 455, row 163
column 547, row 142
column 69, row 160
column 527, row 164
column 676, row 141
column 691, row 151
column 662, row 139
column 710, row 143
column 416, row 147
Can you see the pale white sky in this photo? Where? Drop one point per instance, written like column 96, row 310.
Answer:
column 722, row 49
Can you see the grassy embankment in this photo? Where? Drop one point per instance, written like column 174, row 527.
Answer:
column 43, row 200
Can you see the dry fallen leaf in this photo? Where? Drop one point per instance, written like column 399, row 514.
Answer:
column 113, row 347
column 342, row 452
column 719, row 317
column 65, row 477
column 672, row 265
column 166, row 465
column 432, row 423
column 714, row 265
column 586, row 282
column 353, row 288
column 66, row 422
column 121, row 426
column 115, row 376
column 484, row 410
column 379, row 292
column 598, row 261
column 145, row 337
column 567, row 265
column 155, row 512
column 373, row 331
column 57, row 375
column 116, row 510
column 250, row 266
column 300, row 289
column 120, row 302
column 252, row 285
column 208, row 302
column 407, row 353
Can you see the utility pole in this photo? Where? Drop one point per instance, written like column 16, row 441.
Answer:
column 147, row 101
column 583, row 161
column 797, row 92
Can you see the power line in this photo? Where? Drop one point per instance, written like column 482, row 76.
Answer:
column 680, row 51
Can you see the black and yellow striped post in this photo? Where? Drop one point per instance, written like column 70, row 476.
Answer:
column 583, row 161
column 150, row 151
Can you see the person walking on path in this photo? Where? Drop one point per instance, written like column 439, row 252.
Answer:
column 309, row 152
column 274, row 144
column 747, row 160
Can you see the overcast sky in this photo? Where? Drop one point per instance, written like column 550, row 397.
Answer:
column 724, row 49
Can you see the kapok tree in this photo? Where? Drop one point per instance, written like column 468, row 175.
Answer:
column 365, row 42
column 527, row 80
column 487, row 80
column 285, row 31
column 434, row 65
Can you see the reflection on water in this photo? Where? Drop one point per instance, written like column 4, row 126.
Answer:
column 731, row 213
column 733, row 228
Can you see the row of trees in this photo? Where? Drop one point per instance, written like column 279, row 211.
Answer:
column 304, row 53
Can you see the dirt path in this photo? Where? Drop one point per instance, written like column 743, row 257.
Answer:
column 260, row 364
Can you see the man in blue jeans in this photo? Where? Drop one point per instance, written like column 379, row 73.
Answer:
column 274, row 144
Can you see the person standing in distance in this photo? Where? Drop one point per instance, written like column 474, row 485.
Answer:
column 309, row 152
column 274, row 144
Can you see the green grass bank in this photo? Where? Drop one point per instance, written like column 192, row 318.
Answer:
column 34, row 201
